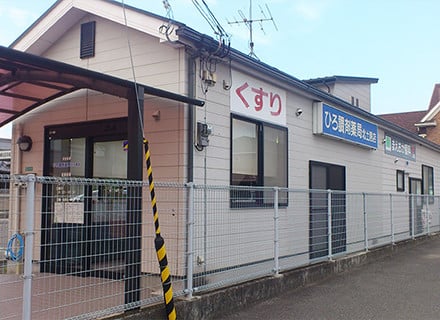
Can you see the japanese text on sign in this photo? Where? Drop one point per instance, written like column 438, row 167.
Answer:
column 258, row 100
column 336, row 123
column 400, row 148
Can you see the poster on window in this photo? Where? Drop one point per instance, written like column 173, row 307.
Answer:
column 257, row 99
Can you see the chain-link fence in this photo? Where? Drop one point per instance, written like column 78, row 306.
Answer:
column 84, row 248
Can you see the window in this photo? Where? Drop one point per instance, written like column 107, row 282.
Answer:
column 87, row 46
column 258, row 158
column 400, row 180
column 428, row 181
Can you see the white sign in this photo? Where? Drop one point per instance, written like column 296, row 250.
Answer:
column 69, row 212
column 257, row 99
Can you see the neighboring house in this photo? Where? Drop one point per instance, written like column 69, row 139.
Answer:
column 405, row 120
column 422, row 123
column 259, row 126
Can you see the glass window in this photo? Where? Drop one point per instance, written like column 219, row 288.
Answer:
column 244, row 153
column 259, row 158
column 400, row 180
column 427, row 180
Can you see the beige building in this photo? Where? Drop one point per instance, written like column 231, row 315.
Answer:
column 258, row 127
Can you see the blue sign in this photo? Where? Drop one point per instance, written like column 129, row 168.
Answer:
column 338, row 124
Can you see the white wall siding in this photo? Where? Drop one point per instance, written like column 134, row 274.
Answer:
column 359, row 91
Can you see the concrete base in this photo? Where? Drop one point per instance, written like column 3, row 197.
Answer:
column 212, row 304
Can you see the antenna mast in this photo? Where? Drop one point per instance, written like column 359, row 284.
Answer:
column 249, row 23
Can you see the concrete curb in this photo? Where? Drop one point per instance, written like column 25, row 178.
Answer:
column 212, row 304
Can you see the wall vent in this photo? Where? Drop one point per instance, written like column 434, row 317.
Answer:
column 87, row 49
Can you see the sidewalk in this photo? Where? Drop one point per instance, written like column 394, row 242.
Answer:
column 404, row 286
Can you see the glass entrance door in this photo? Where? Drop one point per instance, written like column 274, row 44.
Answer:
column 108, row 207
column 415, row 205
column 84, row 221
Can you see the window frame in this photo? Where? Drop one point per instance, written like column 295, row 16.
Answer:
column 426, row 188
column 400, row 174
column 258, row 195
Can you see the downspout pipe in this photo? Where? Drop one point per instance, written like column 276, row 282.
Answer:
column 191, row 118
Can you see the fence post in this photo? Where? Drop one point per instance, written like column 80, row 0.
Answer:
column 413, row 203
column 392, row 219
column 276, row 241
column 28, row 248
column 189, row 245
column 427, row 217
column 329, row 223
column 364, row 205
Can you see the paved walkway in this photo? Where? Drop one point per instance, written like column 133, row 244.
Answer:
column 404, row 286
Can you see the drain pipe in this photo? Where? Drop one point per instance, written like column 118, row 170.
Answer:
column 191, row 118
column 190, row 177
column 14, row 224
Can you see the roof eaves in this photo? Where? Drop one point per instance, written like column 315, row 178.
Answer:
column 36, row 22
column 186, row 33
column 431, row 113
column 341, row 79
column 62, row 7
column 426, row 124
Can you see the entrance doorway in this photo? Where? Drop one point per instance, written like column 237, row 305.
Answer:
column 415, row 205
column 325, row 176
column 89, row 237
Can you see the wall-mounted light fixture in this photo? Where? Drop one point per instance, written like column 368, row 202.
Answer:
column 298, row 112
column 156, row 115
column 24, row 143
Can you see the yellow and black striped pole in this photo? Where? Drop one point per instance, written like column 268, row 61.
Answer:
column 159, row 244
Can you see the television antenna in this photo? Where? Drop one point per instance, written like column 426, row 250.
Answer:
column 250, row 21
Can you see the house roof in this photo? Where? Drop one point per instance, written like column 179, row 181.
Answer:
column 333, row 79
column 63, row 14
column 406, row 120
column 28, row 81
column 435, row 97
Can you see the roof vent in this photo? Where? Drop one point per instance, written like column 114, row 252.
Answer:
column 87, row 49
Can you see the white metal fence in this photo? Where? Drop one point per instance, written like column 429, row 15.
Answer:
column 84, row 248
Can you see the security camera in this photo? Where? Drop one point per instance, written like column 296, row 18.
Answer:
column 226, row 85
column 298, row 112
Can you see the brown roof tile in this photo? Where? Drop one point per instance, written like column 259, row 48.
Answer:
column 406, row 120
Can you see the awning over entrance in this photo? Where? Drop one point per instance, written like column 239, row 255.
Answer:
column 28, row 81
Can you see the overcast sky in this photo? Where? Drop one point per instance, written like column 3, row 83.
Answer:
column 393, row 40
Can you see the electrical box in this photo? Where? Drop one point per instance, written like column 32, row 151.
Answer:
column 203, row 132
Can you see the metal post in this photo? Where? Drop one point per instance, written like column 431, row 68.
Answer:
column 276, row 241
column 29, row 245
column 329, row 223
column 392, row 219
column 133, row 227
column 365, row 221
column 413, row 204
column 427, row 217
column 189, row 245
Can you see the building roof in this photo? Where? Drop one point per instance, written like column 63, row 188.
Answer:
column 435, row 97
column 63, row 14
column 406, row 120
column 28, row 81
column 333, row 79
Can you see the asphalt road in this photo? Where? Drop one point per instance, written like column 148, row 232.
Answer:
column 404, row 286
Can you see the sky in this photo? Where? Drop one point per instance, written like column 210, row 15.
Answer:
column 395, row 41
